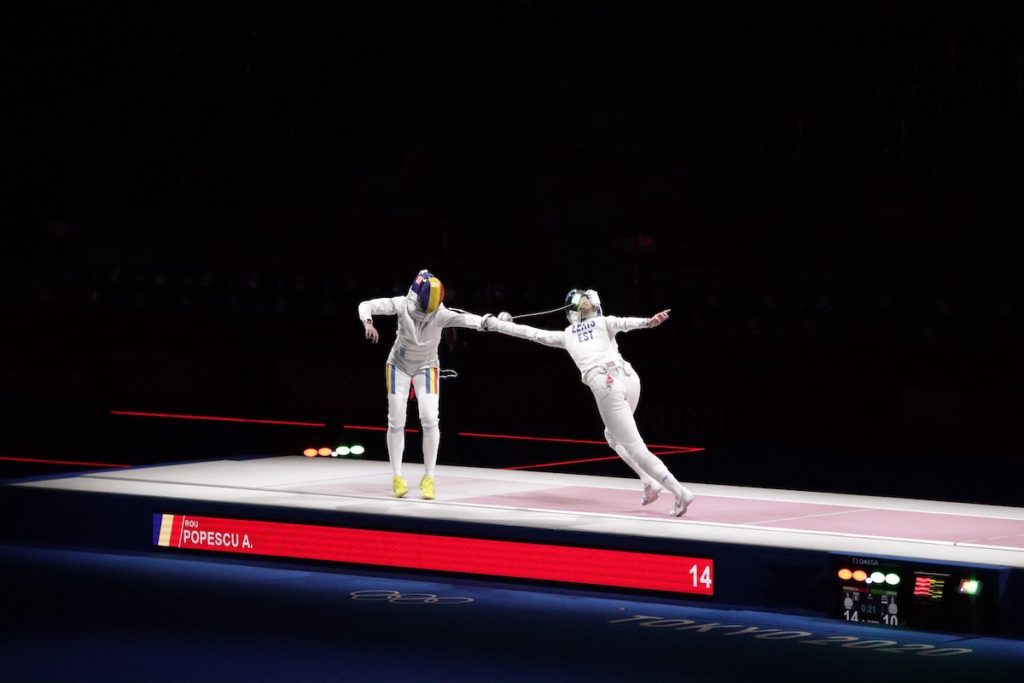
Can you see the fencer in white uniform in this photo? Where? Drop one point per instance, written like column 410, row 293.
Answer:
column 413, row 360
column 590, row 341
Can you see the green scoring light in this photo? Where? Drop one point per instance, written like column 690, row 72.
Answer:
column 345, row 451
column 970, row 587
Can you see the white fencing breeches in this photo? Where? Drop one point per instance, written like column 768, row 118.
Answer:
column 427, row 386
column 617, row 393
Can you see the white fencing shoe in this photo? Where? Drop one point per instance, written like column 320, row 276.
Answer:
column 683, row 501
column 651, row 493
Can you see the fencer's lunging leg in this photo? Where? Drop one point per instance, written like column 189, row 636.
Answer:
column 617, row 414
column 651, row 487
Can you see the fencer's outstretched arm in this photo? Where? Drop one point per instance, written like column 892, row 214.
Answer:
column 546, row 337
column 617, row 324
column 456, row 317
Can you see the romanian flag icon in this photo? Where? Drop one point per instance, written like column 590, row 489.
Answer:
column 162, row 527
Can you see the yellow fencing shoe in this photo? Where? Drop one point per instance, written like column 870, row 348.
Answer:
column 401, row 488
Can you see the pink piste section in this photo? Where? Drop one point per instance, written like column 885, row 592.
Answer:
column 776, row 514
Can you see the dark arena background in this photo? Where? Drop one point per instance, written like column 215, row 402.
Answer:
column 826, row 195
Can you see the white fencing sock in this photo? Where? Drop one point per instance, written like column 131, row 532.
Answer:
column 431, row 443
column 396, row 446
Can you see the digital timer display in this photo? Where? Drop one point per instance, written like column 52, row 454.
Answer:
column 916, row 595
column 871, row 605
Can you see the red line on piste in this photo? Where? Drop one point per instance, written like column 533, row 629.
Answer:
column 552, row 439
column 368, row 428
column 515, row 437
column 674, row 450
column 45, row 461
column 561, row 462
column 663, row 449
column 542, row 465
column 217, row 418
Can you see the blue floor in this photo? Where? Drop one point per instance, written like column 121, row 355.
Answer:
column 85, row 616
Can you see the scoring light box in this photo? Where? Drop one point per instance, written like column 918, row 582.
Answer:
column 914, row 594
column 483, row 557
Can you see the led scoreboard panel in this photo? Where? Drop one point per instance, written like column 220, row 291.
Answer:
column 480, row 556
column 919, row 595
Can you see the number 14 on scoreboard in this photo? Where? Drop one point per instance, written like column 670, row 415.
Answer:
column 702, row 575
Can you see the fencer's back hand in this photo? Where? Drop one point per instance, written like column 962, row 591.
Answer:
column 659, row 318
column 505, row 316
column 371, row 332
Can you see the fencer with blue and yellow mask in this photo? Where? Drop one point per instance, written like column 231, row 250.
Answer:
column 413, row 362
column 429, row 291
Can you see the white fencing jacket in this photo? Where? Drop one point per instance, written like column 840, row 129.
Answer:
column 419, row 333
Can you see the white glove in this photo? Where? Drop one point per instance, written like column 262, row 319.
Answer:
column 486, row 322
column 505, row 316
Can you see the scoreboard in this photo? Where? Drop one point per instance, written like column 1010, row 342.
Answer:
column 579, row 565
column 907, row 594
